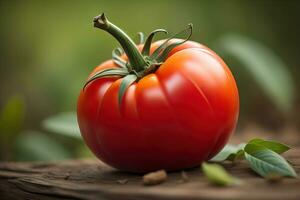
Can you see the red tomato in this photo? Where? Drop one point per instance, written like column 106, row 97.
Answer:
column 174, row 118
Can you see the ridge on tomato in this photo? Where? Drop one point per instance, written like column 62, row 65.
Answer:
column 170, row 104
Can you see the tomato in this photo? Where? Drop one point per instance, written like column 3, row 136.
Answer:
column 174, row 117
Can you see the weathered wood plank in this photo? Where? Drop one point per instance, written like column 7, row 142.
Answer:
column 91, row 179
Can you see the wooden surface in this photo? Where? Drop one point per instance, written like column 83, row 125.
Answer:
column 90, row 179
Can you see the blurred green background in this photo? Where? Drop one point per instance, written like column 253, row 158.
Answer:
column 48, row 48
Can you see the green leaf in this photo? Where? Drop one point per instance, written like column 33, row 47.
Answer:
column 11, row 117
column 224, row 153
column 37, row 146
column 217, row 175
column 237, row 155
column 107, row 72
column 272, row 145
column 126, row 82
column 229, row 152
column 64, row 124
column 267, row 69
column 141, row 36
column 146, row 48
column 164, row 49
column 116, row 57
column 266, row 162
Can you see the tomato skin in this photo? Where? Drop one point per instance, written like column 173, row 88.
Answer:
column 175, row 118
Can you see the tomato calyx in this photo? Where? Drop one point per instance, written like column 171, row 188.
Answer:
column 140, row 63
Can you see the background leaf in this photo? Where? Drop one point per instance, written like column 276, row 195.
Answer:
column 266, row 162
column 11, row 117
column 217, row 175
column 37, row 146
column 63, row 123
column 267, row 69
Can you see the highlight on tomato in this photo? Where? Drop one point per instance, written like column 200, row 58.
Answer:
column 169, row 104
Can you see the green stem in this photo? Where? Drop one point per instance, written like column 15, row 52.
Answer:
column 134, row 56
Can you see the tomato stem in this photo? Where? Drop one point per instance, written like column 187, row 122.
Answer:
column 136, row 59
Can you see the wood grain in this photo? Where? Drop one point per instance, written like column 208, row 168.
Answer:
column 91, row 179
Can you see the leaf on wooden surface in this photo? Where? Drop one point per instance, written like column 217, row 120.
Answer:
column 266, row 162
column 272, row 145
column 217, row 175
column 229, row 152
